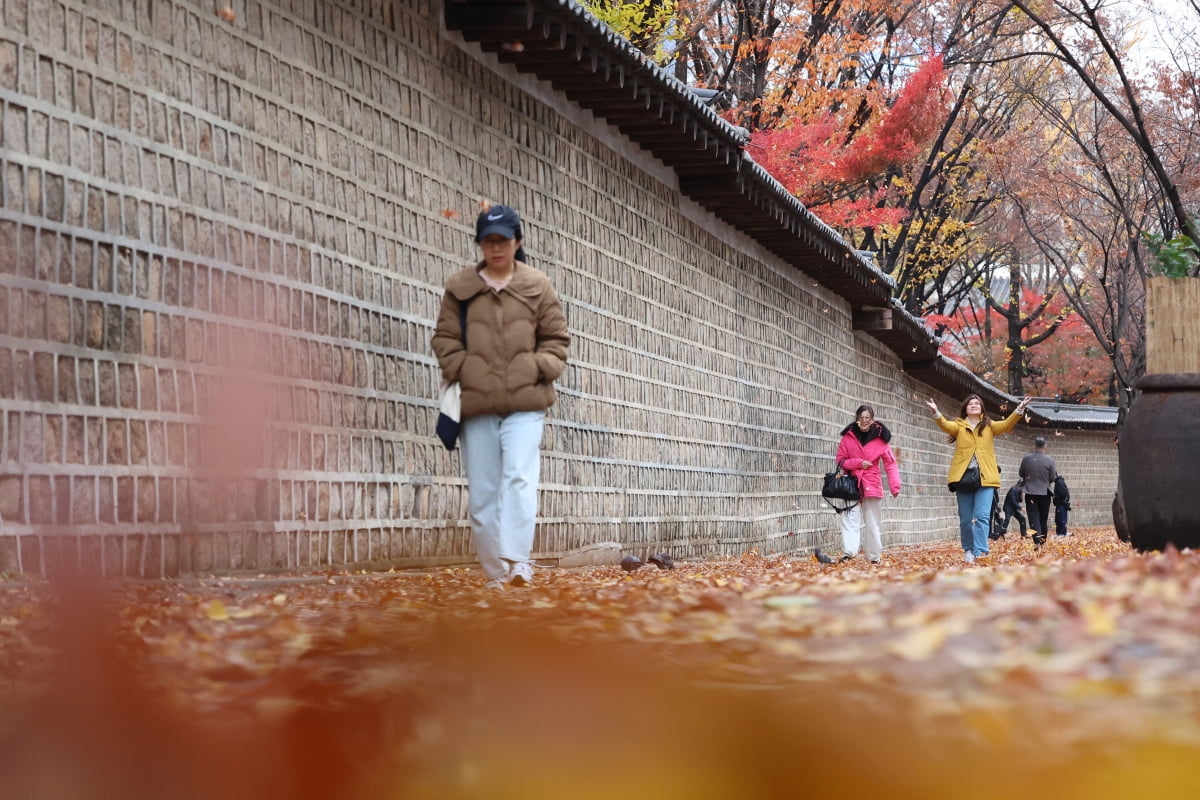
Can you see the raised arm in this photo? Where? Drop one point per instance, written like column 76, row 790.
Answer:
column 948, row 426
column 1008, row 423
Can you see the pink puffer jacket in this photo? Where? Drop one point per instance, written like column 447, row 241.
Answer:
column 851, row 453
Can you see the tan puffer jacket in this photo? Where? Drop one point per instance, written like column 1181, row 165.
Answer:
column 516, row 341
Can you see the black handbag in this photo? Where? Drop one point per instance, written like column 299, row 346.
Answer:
column 970, row 480
column 840, row 485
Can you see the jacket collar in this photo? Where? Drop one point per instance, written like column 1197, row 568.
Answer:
column 467, row 284
column 877, row 431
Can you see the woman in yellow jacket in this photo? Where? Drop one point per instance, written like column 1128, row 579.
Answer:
column 973, row 434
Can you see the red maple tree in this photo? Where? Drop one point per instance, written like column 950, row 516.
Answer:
column 1069, row 366
column 841, row 168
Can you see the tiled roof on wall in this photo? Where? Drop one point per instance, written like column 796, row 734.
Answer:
column 1071, row 415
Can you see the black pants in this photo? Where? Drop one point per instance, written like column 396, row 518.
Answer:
column 1060, row 518
column 1012, row 511
column 1037, row 506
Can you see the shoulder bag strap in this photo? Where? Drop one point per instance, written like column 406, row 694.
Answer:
column 462, row 320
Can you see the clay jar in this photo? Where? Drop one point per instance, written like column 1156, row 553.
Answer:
column 1159, row 469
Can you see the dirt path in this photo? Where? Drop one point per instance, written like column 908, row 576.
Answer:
column 1067, row 673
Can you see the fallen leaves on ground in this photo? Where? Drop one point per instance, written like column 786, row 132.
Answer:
column 1069, row 672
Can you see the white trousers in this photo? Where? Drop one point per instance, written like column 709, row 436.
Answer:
column 870, row 511
column 503, row 460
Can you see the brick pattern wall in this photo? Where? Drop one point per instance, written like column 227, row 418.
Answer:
column 221, row 249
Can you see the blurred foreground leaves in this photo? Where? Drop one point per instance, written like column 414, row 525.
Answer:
column 1067, row 673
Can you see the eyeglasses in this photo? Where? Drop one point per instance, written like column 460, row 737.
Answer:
column 865, row 418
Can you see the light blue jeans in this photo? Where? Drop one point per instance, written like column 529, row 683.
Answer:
column 503, row 460
column 974, row 511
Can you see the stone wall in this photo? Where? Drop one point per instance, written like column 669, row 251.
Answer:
column 222, row 245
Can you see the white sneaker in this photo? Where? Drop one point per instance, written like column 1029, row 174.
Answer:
column 968, row 557
column 494, row 585
column 520, row 574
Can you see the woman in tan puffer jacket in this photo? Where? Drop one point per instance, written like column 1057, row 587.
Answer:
column 514, row 348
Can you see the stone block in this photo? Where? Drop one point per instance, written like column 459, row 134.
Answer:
column 263, row 543
column 113, row 328
column 126, row 500
column 62, row 500
column 58, row 319
column 156, row 443
column 44, row 370
column 113, row 555
column 106, row 383
column 167, row 510
column 7, row 368
column 202, row 552
column 243, row 550
column 67, row 386
column 10, row 556
column 106, row 499
column 149, row 334
column 83, row 500
column 21, row 376
column 94, row 431
column 176, row 454
column 32, row 556
column 219, row 551
column 170, row 556
column 41, row 500
column 147, row 500
column 53, row 438
column 138, row 443
column 116, row 441
column 127, row 388
column 165, row 392
column 280, row 558
column 133, row 554
column 12, row 498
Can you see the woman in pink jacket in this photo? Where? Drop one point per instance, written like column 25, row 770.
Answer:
column 864, row 444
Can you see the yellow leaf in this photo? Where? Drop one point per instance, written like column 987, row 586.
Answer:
column 920, row 643
column 216, row 610
column 1097, row 621
column 299, row 644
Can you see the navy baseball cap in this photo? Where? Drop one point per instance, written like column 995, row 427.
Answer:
column 500, row 220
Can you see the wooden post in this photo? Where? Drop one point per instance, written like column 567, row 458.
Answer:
column 1172, row 325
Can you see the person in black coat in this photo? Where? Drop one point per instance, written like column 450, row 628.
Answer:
column 1062, row 506
column 1014, row 501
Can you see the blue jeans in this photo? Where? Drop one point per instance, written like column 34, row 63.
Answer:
column 974, row 511
column 503, row 460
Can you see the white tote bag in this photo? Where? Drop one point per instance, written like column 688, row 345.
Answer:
column 450, row 414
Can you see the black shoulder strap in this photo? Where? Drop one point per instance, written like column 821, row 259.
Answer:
column 462, row 319
column 836, row 509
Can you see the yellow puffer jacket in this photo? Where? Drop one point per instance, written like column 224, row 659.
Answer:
column 980, row 443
